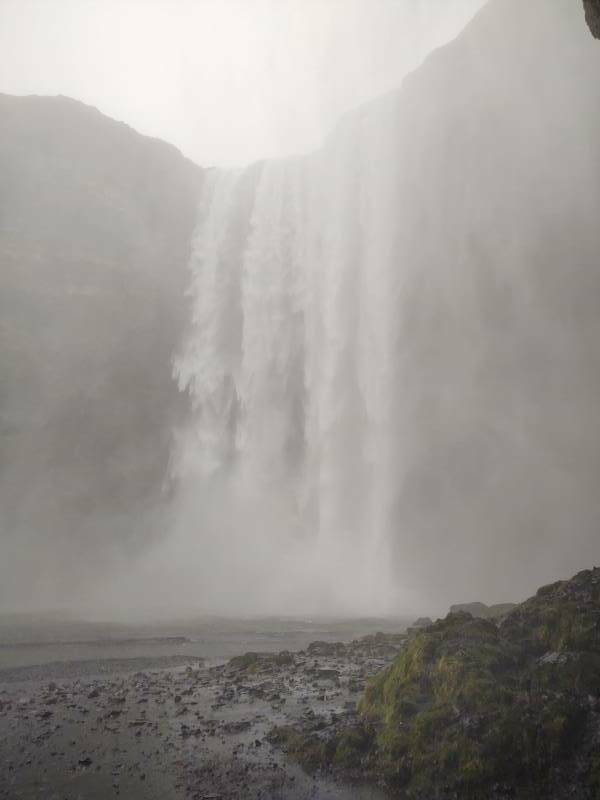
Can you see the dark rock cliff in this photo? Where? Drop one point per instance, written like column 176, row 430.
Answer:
column 95, row 226
column 499, row 365
column 592, row 15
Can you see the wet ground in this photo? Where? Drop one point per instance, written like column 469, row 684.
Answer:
column 197, row 730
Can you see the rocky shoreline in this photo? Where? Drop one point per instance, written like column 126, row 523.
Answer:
column 192, row 731
column 465, row 707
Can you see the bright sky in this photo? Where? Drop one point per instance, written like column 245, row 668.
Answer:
column 226, row 81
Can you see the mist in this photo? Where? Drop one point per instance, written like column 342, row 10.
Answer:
column 226, row 82
column 356, row 373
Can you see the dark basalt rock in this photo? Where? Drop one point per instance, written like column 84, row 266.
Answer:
column 592, row 16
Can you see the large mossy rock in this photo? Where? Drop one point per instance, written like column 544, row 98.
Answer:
column 482, row 610
column 474, row 708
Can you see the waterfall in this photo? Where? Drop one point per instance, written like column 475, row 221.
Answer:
column 390, row 360
column 288, row 361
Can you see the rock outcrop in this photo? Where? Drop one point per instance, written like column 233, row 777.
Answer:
column 472, row 708
column 482, row 611
column 592, row 16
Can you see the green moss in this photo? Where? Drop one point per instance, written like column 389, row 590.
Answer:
column 254, row 662
column 245, row 661
column 305, row 748
column 407, row 708
column 469, row 704
column 351, row 747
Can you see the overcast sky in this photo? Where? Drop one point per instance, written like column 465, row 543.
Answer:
column 227, row 81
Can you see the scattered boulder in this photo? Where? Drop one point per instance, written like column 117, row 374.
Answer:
column 483, row 611
column 422, row 622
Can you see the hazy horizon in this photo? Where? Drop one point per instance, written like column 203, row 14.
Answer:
column 228, row 83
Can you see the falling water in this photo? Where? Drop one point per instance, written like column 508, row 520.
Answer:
column 383, row 332
column 288, row 360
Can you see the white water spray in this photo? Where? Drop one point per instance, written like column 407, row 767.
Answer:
column 377, row 332
column 288, row 363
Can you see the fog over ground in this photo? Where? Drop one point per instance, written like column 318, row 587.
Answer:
column 378, row 394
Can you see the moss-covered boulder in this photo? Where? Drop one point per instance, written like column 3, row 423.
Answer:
column 473, row 708
column 260, row 662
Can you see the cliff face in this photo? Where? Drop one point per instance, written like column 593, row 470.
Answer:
column 499, row 370
column 412, row 327
column 592, row 15
column 95, row 225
